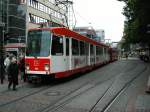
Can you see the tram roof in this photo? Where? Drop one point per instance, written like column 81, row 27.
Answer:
column 69, row 33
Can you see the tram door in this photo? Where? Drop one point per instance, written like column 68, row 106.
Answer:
column 87, row 53
column 67, row 54
column 58, row 58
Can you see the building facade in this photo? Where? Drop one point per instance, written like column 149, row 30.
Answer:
column 3, row 14
column 21, row 15
column 86, row 31
column 100, row 35
column 2, row 29
column 16, row 21
column 45, row 13
column 3, row 22
column 26, row 14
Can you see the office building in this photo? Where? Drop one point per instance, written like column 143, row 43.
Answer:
column 26, row 14
column 100, row 35
column 86, row 31
column 21, row 15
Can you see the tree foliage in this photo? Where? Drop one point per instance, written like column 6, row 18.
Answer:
column 137, row 13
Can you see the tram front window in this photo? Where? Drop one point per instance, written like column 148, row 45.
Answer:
column 38, row 43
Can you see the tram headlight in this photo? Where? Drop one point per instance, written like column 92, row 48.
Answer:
column 46, row 67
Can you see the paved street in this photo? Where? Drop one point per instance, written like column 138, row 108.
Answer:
column 117, row 87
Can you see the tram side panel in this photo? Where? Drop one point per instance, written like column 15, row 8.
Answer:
column 99, row 55
column 67, row 56
column 79, row 55
column 69, row 60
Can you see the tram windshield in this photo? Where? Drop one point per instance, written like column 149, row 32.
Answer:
column 38, row 43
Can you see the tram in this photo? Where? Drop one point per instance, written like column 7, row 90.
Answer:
column 59, row 52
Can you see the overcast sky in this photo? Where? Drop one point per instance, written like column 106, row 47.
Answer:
column 102, row 14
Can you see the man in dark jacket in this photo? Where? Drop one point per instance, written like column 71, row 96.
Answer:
column 13, row 71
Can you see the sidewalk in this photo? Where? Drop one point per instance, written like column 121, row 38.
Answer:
column 143, row 100
column 4, row 86
column 140, row 102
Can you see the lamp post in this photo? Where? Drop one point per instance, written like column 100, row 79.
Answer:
column 2, row 52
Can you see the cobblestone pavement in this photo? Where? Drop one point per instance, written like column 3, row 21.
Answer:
column 4, row 86
column 116, row 87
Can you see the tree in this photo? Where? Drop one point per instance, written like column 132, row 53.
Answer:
column 137, row 13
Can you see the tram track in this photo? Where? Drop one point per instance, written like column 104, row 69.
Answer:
column 93, row 109
column 51, row 106
column 25, row 96
column 64, row 100
column 83, row 86
column 55, row 106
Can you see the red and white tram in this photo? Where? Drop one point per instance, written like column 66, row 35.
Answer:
column 60, row 52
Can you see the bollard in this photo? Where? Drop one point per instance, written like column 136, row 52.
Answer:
column 148, row 85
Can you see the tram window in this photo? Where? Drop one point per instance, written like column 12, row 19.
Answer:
column 86, row 48
column 91, row 49
column 57, row 45
column 105, row 51
column 75, row 47
column 67, row 46
column 98, row 50
column 82, row 48
column 101, row 50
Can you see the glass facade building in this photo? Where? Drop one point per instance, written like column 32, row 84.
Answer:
column 3, row 23
column 21, row 15
column 17, row 21
column 3, row 13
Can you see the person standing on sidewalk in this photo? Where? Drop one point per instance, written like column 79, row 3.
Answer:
column 13, row 71
column 22, row 68
column 6, row 64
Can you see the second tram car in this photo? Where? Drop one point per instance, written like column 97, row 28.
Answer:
column 60, row 52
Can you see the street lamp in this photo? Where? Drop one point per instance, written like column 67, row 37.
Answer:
column 2, row 25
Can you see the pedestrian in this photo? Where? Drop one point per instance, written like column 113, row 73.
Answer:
column 22, row 68
column 6, row 64
column 13, row 71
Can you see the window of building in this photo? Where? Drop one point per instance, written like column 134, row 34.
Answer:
column 39, row 6
column 36, row 19
column 49, row 11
